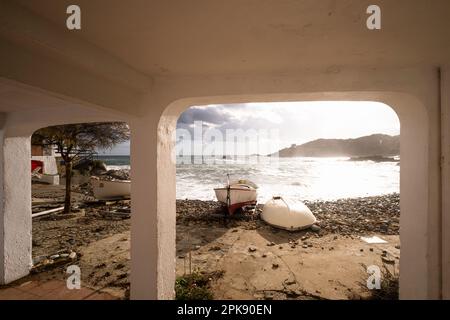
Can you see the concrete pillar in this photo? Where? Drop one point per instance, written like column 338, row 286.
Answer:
column 15, row 208
column 445, row 179
column 153, row 216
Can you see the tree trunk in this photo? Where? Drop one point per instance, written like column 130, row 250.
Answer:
column 67, row 200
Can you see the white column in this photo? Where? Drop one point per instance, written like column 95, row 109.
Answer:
column 15, row 208
column 153, row 212
column 420, row 274
column 445, row 179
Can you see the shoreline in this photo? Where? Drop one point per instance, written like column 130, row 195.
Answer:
column 347, row 216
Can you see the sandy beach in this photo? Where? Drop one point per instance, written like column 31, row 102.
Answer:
column 246, row 258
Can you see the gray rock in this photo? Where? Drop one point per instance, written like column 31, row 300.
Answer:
column 388, row 260
column 268, row 295
column 38, row 260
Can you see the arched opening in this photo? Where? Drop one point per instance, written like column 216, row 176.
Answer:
column 339, row 158
column 414, row 177
column 80, row 239
column 88, row 237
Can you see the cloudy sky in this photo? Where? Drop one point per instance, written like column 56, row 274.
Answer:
column 279, row 125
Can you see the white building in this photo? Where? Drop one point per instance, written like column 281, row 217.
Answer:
column 45, row 158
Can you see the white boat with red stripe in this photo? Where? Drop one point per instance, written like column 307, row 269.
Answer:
column 237, row 194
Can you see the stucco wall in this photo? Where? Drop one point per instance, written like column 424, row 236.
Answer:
column 90, row 76
column 412, row 93
column 15, row 208
column 416, row 101
column 445, row 179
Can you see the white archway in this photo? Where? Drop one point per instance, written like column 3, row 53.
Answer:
column 419, row 254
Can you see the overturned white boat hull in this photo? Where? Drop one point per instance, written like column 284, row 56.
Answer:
column 286, row 214
column 111, row 190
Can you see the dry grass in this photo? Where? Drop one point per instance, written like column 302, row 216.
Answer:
column 196, row 286
column 389, row 285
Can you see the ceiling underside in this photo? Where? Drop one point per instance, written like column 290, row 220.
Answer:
column 204, row 37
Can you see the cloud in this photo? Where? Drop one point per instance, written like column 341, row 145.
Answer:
column 210, row 115
column 295, row 122
column 233, row 116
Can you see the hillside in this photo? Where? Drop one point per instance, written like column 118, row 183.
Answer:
column 373, row 145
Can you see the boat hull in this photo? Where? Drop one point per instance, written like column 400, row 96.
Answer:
column 111, row 190
column 239, row 197
column 287, row 215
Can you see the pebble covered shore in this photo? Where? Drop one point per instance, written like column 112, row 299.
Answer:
column 355, row 216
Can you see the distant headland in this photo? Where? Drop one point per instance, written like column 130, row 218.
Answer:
column 379, row 146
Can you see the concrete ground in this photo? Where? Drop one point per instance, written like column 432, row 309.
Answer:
column 261, row 263
column 268, row 264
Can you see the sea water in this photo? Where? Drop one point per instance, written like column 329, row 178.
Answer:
column 303, row 178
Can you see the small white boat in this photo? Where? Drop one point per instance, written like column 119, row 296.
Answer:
column 111, row 189
column 237, row 194
column 287, row 214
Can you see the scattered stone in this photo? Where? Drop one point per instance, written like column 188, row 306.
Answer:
column 290, row 281
column 39, row 259
column 268, row 295
column 378, row 214
column 315, row 228
column 270, row 244
column 119, row 266
column 305, row 246
column 251, row 249
column 73, row 255
column 275, row 265
column 258, row 296
column 388, row 260
column 55, row 256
